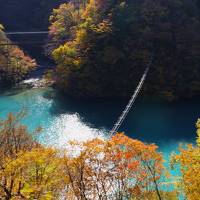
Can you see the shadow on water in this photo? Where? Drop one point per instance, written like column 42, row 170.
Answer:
column 101, row 113
column 162, row 122
column 151, row 120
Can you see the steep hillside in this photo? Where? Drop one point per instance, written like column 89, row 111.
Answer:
column 109, row 43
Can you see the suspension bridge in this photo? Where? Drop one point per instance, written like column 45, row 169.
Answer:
column 27, row 33
column 133, row 98
column 21, row 33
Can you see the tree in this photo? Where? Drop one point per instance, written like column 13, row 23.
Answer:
column 14, row 139
column 198, row 132
column 189, row 162
column 35, row 174
column 62, row 20
column 115, row 169
column 14, row 64
column 114, row 41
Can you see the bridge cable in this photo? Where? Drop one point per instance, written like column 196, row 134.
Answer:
column 131, row 101
column 26, row 32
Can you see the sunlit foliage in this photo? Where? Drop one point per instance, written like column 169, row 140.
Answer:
column 62, row 20
column 35, row 174
column 101, row 169
column 107, row 49
column 115, row 168
column 14, row 139
column 189, row 162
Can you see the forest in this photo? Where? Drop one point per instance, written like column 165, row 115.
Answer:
column 100, row 49
column 119, row 38
column 118, row 168
column 107, row 45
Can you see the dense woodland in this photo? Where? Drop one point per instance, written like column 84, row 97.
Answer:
column 109, row 43
column 118, row 168
column 102, row 47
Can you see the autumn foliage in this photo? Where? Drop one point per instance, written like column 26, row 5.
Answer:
column 103, row 169
column 115, row 168
column 107, row 44
column 189, row 163
column 14, row 64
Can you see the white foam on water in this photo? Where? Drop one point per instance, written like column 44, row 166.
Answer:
column 31, row 81
column 70, row 127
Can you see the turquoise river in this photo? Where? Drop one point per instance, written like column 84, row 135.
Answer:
column 63, row 119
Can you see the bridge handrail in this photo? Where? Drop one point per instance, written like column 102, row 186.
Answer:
column 131, row 101
column 26, row 32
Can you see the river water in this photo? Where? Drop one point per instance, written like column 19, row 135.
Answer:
column 63, row 119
